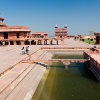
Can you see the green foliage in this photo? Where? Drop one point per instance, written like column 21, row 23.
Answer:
column 90, row 41
column 88, row 38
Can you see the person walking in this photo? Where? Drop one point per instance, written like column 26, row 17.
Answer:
column 23, row 50
column 27, row 50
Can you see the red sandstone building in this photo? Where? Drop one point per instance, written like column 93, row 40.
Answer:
column 61, row 32
column 20, row 35
column 13, row 35
column 39, row 35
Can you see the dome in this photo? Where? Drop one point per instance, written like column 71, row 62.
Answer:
column 65, row 26
column 56, row 26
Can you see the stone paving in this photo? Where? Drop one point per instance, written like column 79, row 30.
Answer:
column 14, row 85
column 10, row 55
column 22, row 79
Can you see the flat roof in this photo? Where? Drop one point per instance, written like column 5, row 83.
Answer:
column 14, row 28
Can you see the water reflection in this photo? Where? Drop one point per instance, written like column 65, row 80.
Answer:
column 75, row 83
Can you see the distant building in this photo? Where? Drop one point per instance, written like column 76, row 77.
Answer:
column 61, row 32
column 20, row 35
column 13, row 35
column 39, row 35
column 97, row 37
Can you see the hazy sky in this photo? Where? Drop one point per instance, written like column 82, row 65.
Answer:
column 81, row 16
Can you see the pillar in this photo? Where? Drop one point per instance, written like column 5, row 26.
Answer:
column 66, row 66
column 42, row 42
column 8, row 42
column 56, row 42
column 36, row 42
column 50, row 42
column 45, row 42
column 22, row 42
column 14, row 42
column 29, row 42
column 3, row 43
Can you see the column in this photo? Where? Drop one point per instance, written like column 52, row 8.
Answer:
column 30, row 42
column 42, row 42
column 8, row 42
column 3, row 43
column 22, row 42
column 56, row 42
column 36, row 42
column 14, row 42
column 50, row 42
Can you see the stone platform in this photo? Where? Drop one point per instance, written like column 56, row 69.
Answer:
column 18, row 81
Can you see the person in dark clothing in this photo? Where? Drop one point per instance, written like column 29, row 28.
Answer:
column 23, row 50
column 26, row 49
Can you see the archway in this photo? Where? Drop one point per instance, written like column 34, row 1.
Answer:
column 0, row 43
column 27, row 42
column 33, row 42
column 50, row 42
column 6, row 42
column 39, row 42
column 11, row 43
column 17, row 35
column 18, row 42
column 5, row 35
column 45, row 42
column 61, row 36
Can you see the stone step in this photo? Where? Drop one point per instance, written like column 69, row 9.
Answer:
column 11, row 76
column 10, row 88
column 32, row 75
column 27, row 92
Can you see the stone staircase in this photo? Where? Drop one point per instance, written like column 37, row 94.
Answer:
column 21, row 81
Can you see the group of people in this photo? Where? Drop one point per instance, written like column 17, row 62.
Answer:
column 25, row 50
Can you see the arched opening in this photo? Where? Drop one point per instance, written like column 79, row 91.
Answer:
column 6, row 42
column 18, row 42
column 11, row 43
column 51, row 42
column 33, row 42
column 39, row 42
column 57, row 42
column 61, row 36
column 45, row 42
column 27, row 42
column 17, row 35
column 5, row 35
column 1, row 43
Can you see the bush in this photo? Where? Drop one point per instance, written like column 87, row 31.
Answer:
column 83, row 40
column 88, row 38
column 91, row 39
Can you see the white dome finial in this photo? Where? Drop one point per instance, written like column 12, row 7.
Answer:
column 65, row 24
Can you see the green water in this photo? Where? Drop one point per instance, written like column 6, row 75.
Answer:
column 75, row 83
column 67, row 56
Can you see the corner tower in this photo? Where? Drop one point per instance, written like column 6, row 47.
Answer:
column 2, row 24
